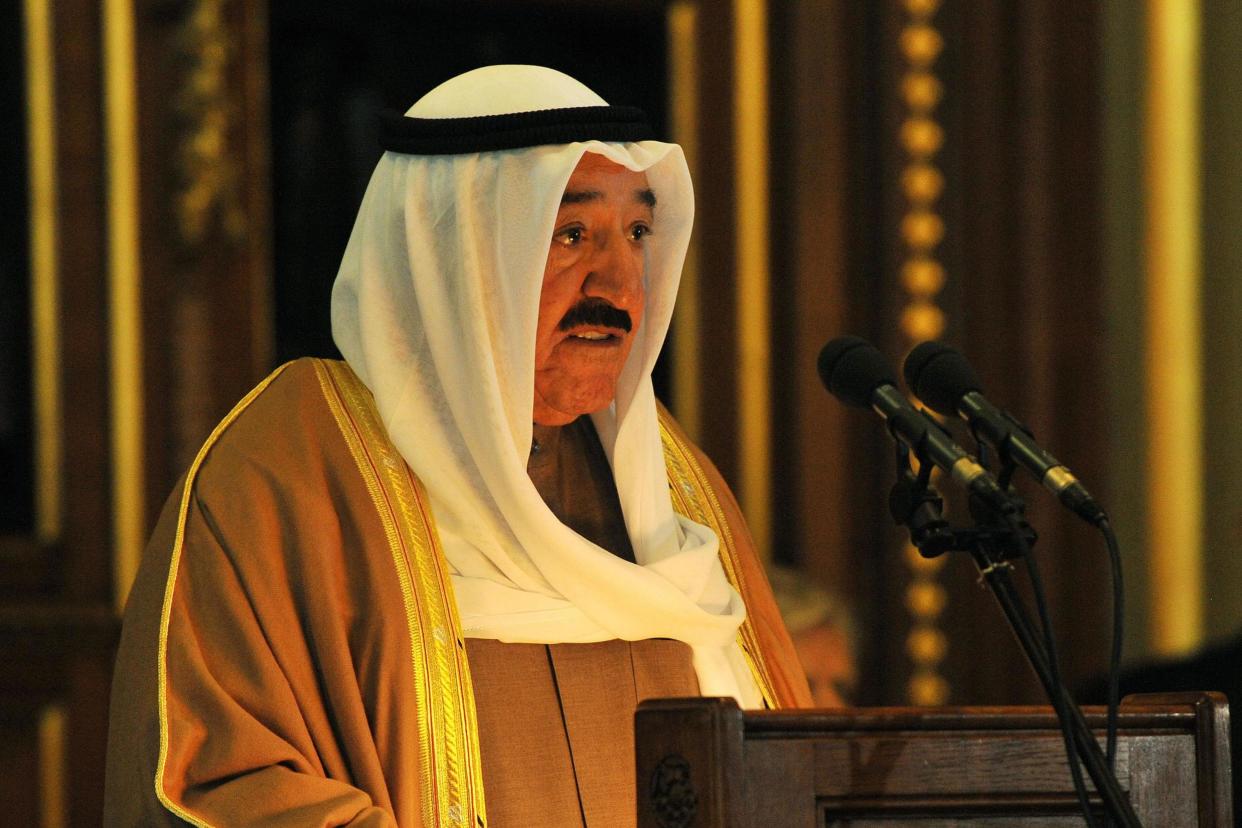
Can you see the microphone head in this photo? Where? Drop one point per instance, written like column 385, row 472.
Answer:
column 851, row 369
column 940, row 376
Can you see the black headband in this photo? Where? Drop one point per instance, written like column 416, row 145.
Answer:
column 486, row 133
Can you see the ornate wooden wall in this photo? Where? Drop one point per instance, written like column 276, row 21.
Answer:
column 1000, row 104
column 155, row 256
column 56, row 621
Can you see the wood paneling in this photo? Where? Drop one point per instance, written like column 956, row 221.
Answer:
column 714, row 223
column 1029, row 305
column 827, row 234
column 704, row 762
column 206, row 245
column 1023, row 301
column 58, row 621
column 57, row 629
column 85, row 550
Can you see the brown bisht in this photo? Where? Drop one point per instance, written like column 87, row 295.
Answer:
column 292, row 653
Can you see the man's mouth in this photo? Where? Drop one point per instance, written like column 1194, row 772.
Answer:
column 596, row 336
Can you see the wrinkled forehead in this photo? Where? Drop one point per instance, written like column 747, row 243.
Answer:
column 594, row 163
column 597, row 179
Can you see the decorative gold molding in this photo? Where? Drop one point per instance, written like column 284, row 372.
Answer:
column 1174, row 365
column 683, row 83
column 44, row 268
column 208, row 201
column 124, row 292
column 922, row 280
column 750, row 127
column 53, row 801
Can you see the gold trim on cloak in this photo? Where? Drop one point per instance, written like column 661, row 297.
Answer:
column 444, row 705
column 166, row 612
column 694, row 498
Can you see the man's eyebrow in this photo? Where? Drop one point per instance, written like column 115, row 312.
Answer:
column 581, row 196
column 646, row 197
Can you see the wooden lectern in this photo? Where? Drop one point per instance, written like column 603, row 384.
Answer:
column 705, row 763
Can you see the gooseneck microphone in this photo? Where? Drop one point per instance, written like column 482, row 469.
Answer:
column 944, row 380
column 856, row 373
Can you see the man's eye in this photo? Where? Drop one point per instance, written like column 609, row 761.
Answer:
column 570, row 236
column 640, row 231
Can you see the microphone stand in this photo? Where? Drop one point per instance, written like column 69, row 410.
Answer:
column 992, row 542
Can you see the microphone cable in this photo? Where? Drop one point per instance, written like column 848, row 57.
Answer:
column 1114, row 658
column 1054, row 669
column 854, row 372
column 940, row 375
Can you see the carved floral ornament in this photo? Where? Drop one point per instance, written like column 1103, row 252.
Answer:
column 207, row 198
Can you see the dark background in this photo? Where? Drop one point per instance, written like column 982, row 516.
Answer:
column 16, row 443
column 331, row 74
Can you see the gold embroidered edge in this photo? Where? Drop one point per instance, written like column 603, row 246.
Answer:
column 445, row 707
column 694, row 498
column 170, row 586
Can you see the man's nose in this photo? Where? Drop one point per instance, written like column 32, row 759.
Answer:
column 616, row 274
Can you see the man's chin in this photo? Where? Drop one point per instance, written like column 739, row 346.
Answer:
column 570, row 401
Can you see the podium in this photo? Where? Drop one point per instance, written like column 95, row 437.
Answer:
column 707, row 764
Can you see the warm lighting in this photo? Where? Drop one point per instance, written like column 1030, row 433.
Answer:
column 1174, row 382
column 682, row 22
column 124, row 296
column 750, row 125
column 44, row 268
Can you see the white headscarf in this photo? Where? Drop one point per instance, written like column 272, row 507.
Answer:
column 435, row 309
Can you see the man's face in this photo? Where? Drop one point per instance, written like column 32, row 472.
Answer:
column 593, row 292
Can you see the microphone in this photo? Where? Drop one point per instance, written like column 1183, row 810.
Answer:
column 944, row 380
column 857, row 374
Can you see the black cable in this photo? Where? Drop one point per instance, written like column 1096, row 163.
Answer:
column 1114, row 659
column 1089, row 750
column 1054, row 670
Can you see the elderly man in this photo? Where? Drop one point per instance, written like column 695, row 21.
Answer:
column 432, row 582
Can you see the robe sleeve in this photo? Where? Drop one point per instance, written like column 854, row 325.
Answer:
column 237, row 749
column 229, row 713
column 264, row 674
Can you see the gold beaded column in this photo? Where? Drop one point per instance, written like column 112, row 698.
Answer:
column 922, row 279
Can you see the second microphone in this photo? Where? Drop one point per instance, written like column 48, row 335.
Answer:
column 856, row 373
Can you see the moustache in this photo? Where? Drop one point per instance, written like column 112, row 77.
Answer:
column 596, row 313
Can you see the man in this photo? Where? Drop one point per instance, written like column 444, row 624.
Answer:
column 823, row 635
column 433, row 582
